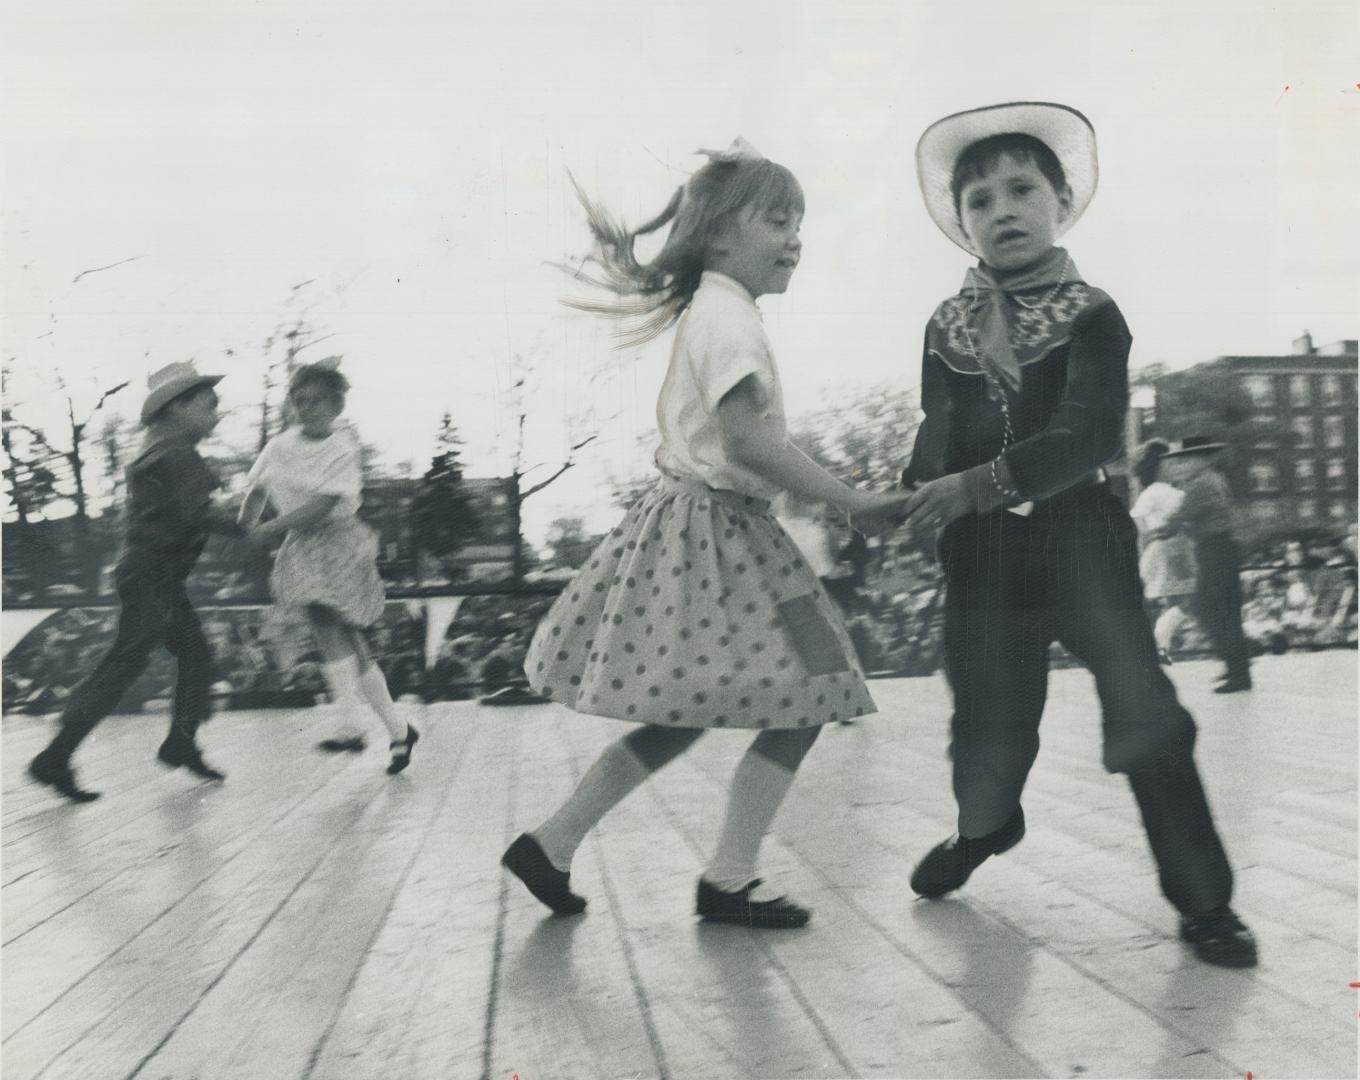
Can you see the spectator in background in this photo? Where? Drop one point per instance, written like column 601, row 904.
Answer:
column 1167, row 564
column 1207, row 516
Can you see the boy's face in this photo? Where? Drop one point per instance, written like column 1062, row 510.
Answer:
column 1012, row 214
column 197, row 412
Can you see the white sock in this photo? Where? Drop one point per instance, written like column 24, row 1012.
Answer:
column 342, row 679
column 758, row 787
column 615, row 773
column 374, row 685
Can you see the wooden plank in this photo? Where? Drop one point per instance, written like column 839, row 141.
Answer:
column 567, row 1003
column 113, row 1015
column 418, row 1006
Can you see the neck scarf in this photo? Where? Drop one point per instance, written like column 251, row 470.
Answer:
column 991, row 307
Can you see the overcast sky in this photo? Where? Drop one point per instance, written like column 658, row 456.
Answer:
column 408, row 161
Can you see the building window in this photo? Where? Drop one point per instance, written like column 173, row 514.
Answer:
column 1305, row 475
column 1339, row 511
column 1336, row 473
column 1303, row 432
column 1264, row 477
column 1261, row 390
column 1334, row 431
column 1331, row 390
column 1265, row 509
column 1307, row 509
column 1299, row 391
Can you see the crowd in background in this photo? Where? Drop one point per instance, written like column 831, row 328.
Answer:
column 1296, row 595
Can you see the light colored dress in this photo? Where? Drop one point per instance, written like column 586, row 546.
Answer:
column 334, row 562
column 1167, row 565
column 698, row 610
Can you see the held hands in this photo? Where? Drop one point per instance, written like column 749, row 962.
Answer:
column 878, row 511
column 266, row 534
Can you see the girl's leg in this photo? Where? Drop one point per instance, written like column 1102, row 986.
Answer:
column 341, row 668
column 620, row 768
column 374, row 687
column 758, row 787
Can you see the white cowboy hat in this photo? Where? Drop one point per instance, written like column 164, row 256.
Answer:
column 1062, row 129
column 170, row 382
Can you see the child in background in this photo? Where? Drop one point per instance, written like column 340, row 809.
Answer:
column 326, row 570
column 1167, row 564
column 697, row 611
column 169, row 516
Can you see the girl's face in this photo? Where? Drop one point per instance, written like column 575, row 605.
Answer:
column 1012, row 214
column 316, row 409
column 759, row 248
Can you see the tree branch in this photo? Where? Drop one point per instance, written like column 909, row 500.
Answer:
column 563, row 468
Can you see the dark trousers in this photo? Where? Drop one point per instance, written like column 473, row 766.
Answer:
column 154, row 613
column 1069, row 573
column 1218, row 601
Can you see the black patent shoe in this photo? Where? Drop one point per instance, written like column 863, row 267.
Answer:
column 401, row 751
column 177, row 752
column 1219, row 937
column 343, row 744
column 714, row 905
column 949, row 864
column 57, row 774
column 526, row 859
column 1233, row 685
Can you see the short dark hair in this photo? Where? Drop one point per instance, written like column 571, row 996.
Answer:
column 328, row 378
column 1150, row 456
column 981, row 157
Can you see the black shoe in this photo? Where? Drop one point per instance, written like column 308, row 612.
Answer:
column 348, row 744
column 1220, row 937
column 528, row 862
column 56, row 773
column 949, row 864
column 1164, row 658
column 176, row 752
column 401, row 751
column 714, row 905
column 1233, row 684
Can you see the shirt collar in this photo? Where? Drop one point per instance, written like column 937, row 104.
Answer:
column 731, row 284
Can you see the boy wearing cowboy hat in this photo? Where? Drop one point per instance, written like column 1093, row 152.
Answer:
column 169, row 516
column 1208, row 517
column 1024, row 386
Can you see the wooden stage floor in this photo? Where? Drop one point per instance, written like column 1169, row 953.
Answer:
column 312, row 917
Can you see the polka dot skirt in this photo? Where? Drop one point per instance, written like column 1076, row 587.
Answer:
column 698, row 611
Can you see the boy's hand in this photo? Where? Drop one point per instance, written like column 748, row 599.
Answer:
column 265, row 534
column 934, row 505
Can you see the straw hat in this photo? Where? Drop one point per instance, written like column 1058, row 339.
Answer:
column 1062, row 129
column 169, row 383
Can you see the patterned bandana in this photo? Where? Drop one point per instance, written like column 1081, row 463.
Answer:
column 999, row 321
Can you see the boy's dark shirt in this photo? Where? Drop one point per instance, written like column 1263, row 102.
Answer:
column 169, row 511
column 1067, row 416
column 1207, row 510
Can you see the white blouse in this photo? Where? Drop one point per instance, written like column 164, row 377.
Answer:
column 719, row 341
column 292, row 469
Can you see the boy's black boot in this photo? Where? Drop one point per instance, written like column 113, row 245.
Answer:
column 949, row 864
column 179, row 750
column 715, row 905
column 55, row 771
column 1220, row 937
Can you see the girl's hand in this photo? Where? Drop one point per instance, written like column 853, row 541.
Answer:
column 265, row 534
column 878, row 511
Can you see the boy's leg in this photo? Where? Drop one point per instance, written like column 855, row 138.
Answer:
column 1148, row 734
column 193, row 686
column 141, row 627
column 996, row 637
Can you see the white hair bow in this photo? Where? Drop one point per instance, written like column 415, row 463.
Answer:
column 739, row 149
